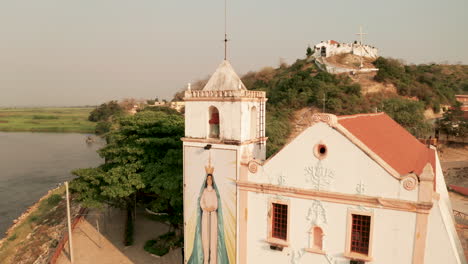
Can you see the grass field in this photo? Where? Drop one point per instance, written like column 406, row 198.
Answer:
column 46, row 119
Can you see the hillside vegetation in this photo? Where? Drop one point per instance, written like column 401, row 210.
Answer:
column 433, row 84
column 300, row 85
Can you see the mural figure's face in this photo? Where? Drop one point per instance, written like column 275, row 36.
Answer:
column 209, row 180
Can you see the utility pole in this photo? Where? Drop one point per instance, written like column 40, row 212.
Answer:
column 70, row 244
column 225, row 30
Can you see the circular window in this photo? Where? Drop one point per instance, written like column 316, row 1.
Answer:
column 320, row 151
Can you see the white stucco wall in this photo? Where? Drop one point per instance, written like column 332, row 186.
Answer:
column 246, row 108
column 326, row 66
column 393, row 234
column 348, row 167
column 443, row 244
column 234, row 119
column 440, row 246
column 196, row 119
column 356, row 49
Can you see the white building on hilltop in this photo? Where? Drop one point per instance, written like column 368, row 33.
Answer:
column 349, row 189
column 331, row 48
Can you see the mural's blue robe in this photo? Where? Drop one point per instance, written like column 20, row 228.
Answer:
column 197, row 253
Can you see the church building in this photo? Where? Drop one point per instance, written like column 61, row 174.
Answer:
column 348, row 189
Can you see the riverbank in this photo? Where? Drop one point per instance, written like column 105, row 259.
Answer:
column 37, row 232
column 63, row 119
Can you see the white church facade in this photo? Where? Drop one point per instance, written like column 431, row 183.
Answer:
column 348, row 189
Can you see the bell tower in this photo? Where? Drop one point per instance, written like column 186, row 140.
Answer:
column 223, row 122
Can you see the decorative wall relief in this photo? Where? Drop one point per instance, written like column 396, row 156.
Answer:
column 316, row 214
column 253, row 166
column 330, row 119
column 281, row 180
column 275, row 177
column 296, row 256
column 360, row 188
column 410, row 182
column 330, row 259
column 319, row 177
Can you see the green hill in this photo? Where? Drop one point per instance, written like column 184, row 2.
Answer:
column 293, row 87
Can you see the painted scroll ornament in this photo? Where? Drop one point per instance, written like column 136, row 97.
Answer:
column 253, row 166
column 410, row 182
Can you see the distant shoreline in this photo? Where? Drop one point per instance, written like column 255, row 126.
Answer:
column 47, row 119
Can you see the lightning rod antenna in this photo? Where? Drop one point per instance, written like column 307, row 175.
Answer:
column 225, row 30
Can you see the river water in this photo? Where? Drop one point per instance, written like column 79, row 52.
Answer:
column 33, row 163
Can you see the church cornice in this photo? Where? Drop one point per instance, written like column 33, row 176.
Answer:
column 224, row 141
column 334, row 197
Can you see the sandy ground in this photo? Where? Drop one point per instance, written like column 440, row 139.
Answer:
column 111, row 225
column 106, row 246
column 452, row 154
column 91, row 247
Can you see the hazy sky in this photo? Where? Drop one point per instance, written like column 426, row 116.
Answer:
column 56, row 52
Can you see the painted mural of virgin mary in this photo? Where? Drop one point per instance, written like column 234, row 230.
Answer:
column 209, row 243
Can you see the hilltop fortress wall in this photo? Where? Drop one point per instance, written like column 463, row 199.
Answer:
column 330, row 48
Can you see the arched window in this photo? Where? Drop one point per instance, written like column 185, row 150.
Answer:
column 316, row 240
column 214, row 122
column 317, row 237
column 253, row 123
column 323, row 51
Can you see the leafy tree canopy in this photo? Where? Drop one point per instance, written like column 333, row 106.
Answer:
column 453, row 122
column 409, row 114
column 309, row 51
column 431, row 83
column 105, row 111
column 143, row 158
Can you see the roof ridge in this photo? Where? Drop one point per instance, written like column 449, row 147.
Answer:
column 359, row 115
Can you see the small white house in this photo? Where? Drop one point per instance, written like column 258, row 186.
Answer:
column 348, row 189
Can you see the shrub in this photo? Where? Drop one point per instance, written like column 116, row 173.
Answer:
column 161, row 245
column 54, row 243
column 13, row 237
column 33, row 218
column 54, row 199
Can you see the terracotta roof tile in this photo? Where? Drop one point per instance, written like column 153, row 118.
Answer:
column 390, row 141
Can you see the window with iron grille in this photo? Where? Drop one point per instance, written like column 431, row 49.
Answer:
column 360, row 235
column 280, row 221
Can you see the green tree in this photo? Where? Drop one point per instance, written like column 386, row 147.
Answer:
column 105, row 111
column 453, row 123
column 309, row 51
column 409, row 114
column 142, row 159
column 103, row 127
